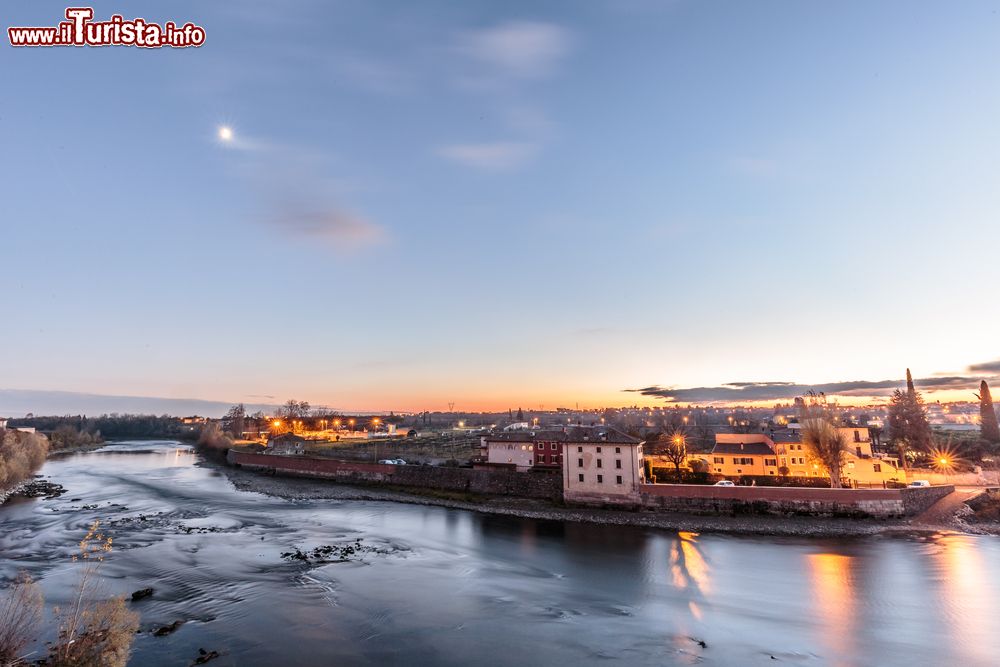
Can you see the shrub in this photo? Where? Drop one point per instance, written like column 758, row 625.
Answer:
column 670, row 476
column 20, row 455
column 100, row 635
column 211, row 436
column 94, row 632
column 20, row 615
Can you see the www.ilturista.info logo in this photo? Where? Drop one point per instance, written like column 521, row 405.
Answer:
column 80, row 30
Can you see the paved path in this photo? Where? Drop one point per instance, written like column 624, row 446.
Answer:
column 943, row 510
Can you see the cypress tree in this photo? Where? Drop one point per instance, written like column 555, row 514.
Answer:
column 990, row 428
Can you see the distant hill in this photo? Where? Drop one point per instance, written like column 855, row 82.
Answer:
column 19, row 402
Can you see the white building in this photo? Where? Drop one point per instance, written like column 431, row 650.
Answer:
column 602, row 466
column 513, row 448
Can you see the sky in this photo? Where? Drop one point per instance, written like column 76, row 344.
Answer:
column 503, row 204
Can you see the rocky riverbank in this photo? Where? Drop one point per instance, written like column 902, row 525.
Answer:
column 304, row 489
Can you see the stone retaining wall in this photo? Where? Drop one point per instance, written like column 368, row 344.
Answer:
column 464, row 480
column 879, row 503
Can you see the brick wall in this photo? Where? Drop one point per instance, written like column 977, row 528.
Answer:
column 465, row 480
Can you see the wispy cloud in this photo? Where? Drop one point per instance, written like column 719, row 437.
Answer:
column 297, row 196
column 518, row 49
column 342, row 229
column 987, row 367
column 492, row 156
column 742, row 392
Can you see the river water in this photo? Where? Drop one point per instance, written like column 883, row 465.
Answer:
column 451, row 587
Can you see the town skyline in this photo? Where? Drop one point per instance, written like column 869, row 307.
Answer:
column 939, row 388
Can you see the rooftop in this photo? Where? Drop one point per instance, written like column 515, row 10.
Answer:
column 742, row 448
column 569, row 434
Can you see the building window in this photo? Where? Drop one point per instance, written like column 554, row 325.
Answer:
column 618, row 450
column 599, row 463
column 598, row 450
column 857, row 436
column 618, row 479
column 579, row 449
column 771, row 462
column 579, row 463
column 618, row 463
column 580, row 476
column 600, row 479
column 718, row 459
column 739, row 472
column 877, row 467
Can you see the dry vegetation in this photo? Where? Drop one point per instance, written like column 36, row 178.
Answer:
column 212, row 437
column 21, row 454
column 20, row 617
column 438, row 447
column 94, row 631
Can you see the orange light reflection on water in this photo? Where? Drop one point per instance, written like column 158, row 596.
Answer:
column 834, row 596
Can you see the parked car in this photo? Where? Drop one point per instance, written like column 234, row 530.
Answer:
column 919, row 483
column 389, row 462
column 399, row 462
column 724, row 482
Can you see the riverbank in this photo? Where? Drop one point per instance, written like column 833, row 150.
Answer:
column 291, row 488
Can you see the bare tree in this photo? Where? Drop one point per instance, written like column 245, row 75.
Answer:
column 820, row 435
column 675, row 450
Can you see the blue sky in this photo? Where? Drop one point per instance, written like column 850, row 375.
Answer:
column 501, row 204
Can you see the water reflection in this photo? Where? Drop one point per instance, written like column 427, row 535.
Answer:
column 834, row 596
column 966, row 598
column 689, row 571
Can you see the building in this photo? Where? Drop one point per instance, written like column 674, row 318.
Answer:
column 287, row 444
column 602, row 465
column 783, row 453
column 548, row 454
column 516, row 448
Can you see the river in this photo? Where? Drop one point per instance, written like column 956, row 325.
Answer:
column 451, row 587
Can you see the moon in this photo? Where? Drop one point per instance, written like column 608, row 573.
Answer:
column 225, row 133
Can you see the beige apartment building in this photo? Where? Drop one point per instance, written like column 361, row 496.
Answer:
column 600, row 465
